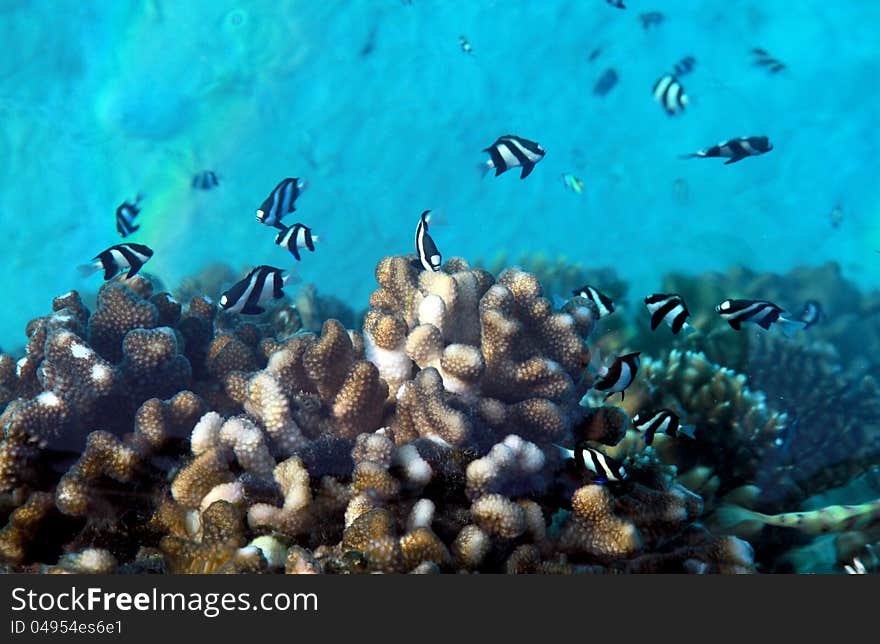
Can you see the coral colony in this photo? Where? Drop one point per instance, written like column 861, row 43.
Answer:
column 154, row 436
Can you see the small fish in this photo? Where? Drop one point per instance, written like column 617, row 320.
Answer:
column 836, row 216
column 573, row 183
column 812, row 313
column 280, row 202
column 663, row 421
column 594, row 54
column 735, row 149
column 465, row 45
column 205, row 180
column 606, row 82
column 670, row 94
column 601, row 467
column 295, row 237
column 684, row 66
column 669, row 308
column 651, row 19
column 125, row 215
column 763, row 59
column 427, row 255
column 369, row 45
column 258, row 288
column 616, row 3
column 620, row 375
column 118, row 258
column 511, row 151
column 760, row 312
column 604, row 305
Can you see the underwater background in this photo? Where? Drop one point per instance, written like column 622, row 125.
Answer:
column 385, row 108
column 377, row 106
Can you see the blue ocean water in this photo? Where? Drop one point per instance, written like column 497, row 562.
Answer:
column 375, row 103
column 385, row 109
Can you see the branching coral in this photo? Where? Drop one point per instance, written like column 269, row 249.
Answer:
column 205, row 442
column 496, row 348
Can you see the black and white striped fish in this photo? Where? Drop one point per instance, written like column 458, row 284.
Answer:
column 118, row 258
column 764, row 59
column 427, row 255
column 205, row 180
column 601, row 467
column 125, row 216
column 616, row 3
column 684, row 66
column 670, row 94
column 258, row 288
column 511, row 151
column 280, row 202
column 620, row 375
column 812, row 313
column 669, row 308
column 760, row 312
column 735, row 149
column 604, row 305
column 662, row 421
column 295, row 237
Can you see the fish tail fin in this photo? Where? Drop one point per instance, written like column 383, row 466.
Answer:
column 290, row 278
column 687, row 329
column 318, row 238
column 485, row 167
column 85, row 270
column 790, row 327
column 564, row 452
column 688, row 430
column 692, row 155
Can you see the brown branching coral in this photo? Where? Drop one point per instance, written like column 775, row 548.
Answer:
column 22, row 526
column 421, row 444
column 496, row 347
column 120, row 310
column 594, row 529
column 104, row 455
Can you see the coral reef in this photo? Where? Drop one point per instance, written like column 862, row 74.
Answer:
column 158, row 435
